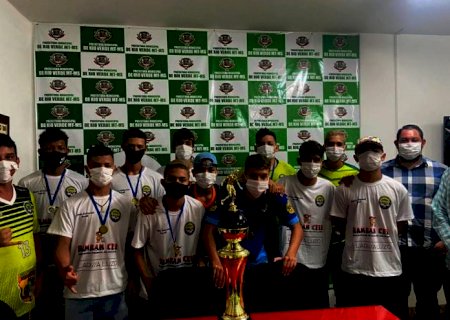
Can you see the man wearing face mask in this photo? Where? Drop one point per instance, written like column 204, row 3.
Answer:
column 423, row 253
column 92, row 229
column 183, row 146
column 205, row 188
column 311, row 197
column 373, row 213
column 166, row 247
column 268, row 269
column 51, row 186
column 19, row 243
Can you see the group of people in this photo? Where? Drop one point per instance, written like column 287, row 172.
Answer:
column 140, row 237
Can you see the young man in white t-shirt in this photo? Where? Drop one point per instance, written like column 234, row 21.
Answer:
column 373, row 210
column 92, row 229
column 166, row 247
column 311, row 197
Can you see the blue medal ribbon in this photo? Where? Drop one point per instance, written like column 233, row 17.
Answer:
column 134, row 191
column 51, row 199
column 102, row 219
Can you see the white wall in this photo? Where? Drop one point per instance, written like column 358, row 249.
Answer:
column 16, row 83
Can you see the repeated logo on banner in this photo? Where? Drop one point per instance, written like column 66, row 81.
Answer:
column 94, row 82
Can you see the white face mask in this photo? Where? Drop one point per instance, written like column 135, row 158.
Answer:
column 410, row 150
column 256, row 187
column 310, row 169
column 205, row 180
column 6, row 167
column 334, row 153
column 370, row 161
column 101, row 176
column 266, row 150
column 183, row 152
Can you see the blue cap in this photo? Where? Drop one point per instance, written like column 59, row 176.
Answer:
column 205, row 155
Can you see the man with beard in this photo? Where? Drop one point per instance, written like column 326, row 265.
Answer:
column 51, row 186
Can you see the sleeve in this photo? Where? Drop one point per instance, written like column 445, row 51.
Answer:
column 440, row 206
column 63, row 223
column 405, row 211
column 339, row 207
column 36, row 227
column 289, row 216
column 141, row 231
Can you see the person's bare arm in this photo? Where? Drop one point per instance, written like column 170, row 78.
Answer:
column 62, row 260
column 211, row 249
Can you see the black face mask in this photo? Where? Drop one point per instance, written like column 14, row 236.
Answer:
column 53, row 159
column 134, row 156
column 176, row 190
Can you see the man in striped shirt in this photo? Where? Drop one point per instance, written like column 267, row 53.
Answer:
column 423, row 253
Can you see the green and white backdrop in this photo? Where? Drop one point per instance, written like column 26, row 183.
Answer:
column 96, row 81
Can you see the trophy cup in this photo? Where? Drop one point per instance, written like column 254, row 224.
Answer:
column 233, row 228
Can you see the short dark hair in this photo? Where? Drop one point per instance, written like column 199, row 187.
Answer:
column 175, row 164
column 311, row 148
column 257, row 161
column 261, row 133
column 6, row 141
column 133, row 133
column 99, row 150
column 52, row 135
column 180, row 135
column 410, row 127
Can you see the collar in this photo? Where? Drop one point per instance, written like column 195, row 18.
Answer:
column 422, row 163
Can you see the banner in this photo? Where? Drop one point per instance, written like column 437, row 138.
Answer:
column 94, row 82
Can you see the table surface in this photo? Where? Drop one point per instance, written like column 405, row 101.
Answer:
column 353, row 313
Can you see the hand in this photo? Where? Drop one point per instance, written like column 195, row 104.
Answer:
column 148, row 205
column 70, row 278
column 440, row 248
column 347, row 181
column 275, row 187
column 218, row 274
column 289, row 264
column 6, row 237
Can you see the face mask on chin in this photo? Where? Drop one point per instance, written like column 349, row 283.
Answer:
column 184, row 152
column 266, row 150
column 410, row 150
column 6, row 167
column 205, row 180
column 370, row 160
column 101, row 176
column 134, row 156
column 256, row 187
column 310, row 169
column 334, row 153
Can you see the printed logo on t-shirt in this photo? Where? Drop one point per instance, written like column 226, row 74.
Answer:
column 306, row 218
column 289, row 208
column 115, row 215
column 385, row 202
column 320, row 200
column 28, row 207
column 146, row 190
column 372, row 221
column 70, row 191
column 189, row 228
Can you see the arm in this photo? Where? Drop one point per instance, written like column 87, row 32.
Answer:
column 402, row 227
column 145, row 270
column 211, row 250
column 290, row 258
column 62, row 260
column 441, row 210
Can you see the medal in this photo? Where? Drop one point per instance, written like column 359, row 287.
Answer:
column 176, row 250
column 135, row 201
column 52, row 210
column 134, row 191
column 103, row 229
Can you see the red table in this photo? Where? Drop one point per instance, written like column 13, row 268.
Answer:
column 353, row 313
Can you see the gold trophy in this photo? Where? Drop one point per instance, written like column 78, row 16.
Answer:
column 233, row 256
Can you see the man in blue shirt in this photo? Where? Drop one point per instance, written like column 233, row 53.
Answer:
column 423, row 252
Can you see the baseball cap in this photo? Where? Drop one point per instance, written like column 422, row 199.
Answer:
column 205, row 156
column 368, row 143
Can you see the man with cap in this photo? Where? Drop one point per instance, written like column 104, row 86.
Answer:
column 205, row 188
column 423, row 252
column 373, row 212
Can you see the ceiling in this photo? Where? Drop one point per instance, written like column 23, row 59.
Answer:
column 426, row 17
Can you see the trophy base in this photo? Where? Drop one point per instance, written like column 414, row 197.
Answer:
column 241, row 317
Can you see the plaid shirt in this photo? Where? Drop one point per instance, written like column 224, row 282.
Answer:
column 441, row 211
column 422, row 183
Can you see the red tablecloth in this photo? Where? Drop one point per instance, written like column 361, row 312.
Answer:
column 354, row 313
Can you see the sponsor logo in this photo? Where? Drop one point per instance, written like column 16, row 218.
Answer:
column 188, row 88
column 58, row 59
column 186, row 38
column 103, row 111
column 70, row 191
column 225, row 39
column 303, row 64
column 59, row 111
column 302, row 41
column 149, row 136
column 265, row 64
column 104, row 86
column 340, row 112
column 304, row 111
column 147, row 112
column 102, row 35
column 264, row 40
column 265, row 88
column 340, row 42
column 115, row 215
column 186, row 63
column 319, row 200
column 227, row 136
column 340, row 65
column 228, row 112
column 146, row 62
column 340, row 89
column 304, row 135
column 187, row 112
column 384, row 202
column 58, row 85
column 145, row 86
column 56, row 33
column 226, row 87
column 229, row 159
column 226, row 64
column 106, row 137
column 189, row 228
column 144, row 36
column 265, row 112
column 101, row 60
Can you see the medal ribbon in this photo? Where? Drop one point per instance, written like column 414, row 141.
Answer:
column 51, row 199
column 102, row 219
column 174, row 238
column 134, row 191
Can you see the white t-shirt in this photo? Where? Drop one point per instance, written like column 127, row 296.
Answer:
column 72, row 183
column 147, row 161
column 99, row 259
column 372, row 211
column 313, row 204
column 153, row 231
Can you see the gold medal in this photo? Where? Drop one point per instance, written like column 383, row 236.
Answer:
column 176, row 250
column 52, row 210
column 135, row 201
column 103, row 229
